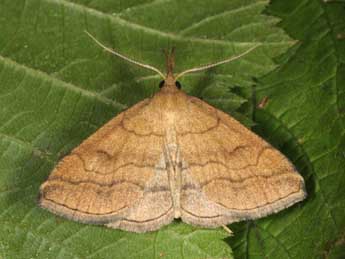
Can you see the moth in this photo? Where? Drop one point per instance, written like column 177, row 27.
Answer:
column 167, row 157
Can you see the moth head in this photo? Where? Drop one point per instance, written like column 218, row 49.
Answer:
column 177, row 84
column 170, row 80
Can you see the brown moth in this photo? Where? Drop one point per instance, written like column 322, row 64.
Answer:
column 171, row 156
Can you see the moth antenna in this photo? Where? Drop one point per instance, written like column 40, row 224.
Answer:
column 195, row 69
column 124, row 57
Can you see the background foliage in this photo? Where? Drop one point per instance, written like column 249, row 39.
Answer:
column 57, row 87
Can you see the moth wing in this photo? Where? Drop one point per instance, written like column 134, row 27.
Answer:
column 116, row 176
column 229, row 173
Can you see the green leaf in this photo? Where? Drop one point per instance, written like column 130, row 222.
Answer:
column 57, row 87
